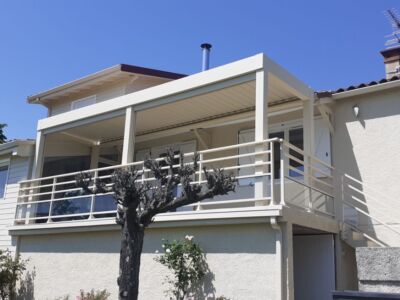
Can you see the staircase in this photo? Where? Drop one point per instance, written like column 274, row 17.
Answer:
column 370, row 218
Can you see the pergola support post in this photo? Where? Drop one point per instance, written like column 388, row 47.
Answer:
column 128, row 148
column 261, row 134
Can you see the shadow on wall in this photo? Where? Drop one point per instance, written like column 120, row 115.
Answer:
column 27, row 287
column 206, row 290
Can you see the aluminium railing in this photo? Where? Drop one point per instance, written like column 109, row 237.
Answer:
column 56, row 198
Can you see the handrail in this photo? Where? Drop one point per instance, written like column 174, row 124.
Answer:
column 33, row 193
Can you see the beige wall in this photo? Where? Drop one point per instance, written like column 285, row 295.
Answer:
column 367, row 148
column 241, row 257
column 110, row 91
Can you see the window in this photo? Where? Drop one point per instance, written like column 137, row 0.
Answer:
column 83, row 102
column 292, row 132
column 3, row 180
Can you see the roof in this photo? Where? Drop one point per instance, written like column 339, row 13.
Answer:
column 322, row 94
column 17, row 148
column 105, row 75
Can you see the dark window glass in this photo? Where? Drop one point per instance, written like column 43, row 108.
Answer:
column 277, row 153
column 296, row 139
column 3, row 180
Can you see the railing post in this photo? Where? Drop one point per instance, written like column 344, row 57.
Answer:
column 307, row 182
column 93, row 196
column 272, row 172
column 282, row 172
column 53, row 189
column 201, row 157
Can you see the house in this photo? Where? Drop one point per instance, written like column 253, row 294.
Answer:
column 317, row 178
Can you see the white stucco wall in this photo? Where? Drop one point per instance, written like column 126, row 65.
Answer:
column 241, row 257
column 367, row 148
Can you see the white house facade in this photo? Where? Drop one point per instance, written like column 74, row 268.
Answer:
column 317, row 178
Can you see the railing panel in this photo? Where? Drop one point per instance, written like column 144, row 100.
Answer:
column 57, row 199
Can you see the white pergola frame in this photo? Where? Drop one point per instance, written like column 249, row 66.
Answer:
column 258, row 68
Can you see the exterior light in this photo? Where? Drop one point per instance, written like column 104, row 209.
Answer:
column 356, row 110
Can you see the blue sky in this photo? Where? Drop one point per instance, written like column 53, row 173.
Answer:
column 44, row 43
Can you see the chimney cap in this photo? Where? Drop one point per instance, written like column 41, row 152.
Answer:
column 206, row 46
column 390, row 52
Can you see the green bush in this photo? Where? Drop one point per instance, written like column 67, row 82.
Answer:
column 187, row 262
column 11, row 270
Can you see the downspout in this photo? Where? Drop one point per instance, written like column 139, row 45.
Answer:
column 279, row 254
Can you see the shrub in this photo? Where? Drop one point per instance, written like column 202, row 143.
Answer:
column 94, row 295
column 187, row 262
column 11, row 270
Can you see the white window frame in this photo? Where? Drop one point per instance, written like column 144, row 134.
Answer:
column 5, row 163
column 92, row 99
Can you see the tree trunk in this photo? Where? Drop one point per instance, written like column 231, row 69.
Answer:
column 129, row 263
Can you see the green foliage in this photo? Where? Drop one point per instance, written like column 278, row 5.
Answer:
column 3, row 138
column 94, row 295
column 222, row 298
column 11, row 270
column 187, row 262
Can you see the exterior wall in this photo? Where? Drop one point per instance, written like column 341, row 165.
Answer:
column 241, row 258
column 19, row 169
column 367, row 148
column 379, row 269
column 103, row 94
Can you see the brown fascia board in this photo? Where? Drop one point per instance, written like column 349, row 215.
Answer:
column 150, row 72
column 118, row 68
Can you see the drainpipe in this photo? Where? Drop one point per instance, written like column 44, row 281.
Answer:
column 279, row 253
column 206, row 56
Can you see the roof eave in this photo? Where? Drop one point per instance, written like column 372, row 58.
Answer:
column 367, row 89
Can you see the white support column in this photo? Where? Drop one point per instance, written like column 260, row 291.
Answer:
column 39, row 155
column 261, row 132
column 128, row 149
column 308, row 145
column 94, row 157
column 37, row 170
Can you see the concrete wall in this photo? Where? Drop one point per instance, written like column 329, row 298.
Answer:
column 19, row 169
column 378, row 269
column 241, row 258
column 367, row 148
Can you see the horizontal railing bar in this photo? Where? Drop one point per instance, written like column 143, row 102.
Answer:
column 314, row 188
column 373, row 218
column 366, row 235
column 157, row 159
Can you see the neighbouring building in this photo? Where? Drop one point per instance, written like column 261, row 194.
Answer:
column 317, row 179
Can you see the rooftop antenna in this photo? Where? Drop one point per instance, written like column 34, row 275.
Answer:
column 394, row 37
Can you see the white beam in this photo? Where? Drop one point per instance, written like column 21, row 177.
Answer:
column 326, row 114
column 81, row 139
column 261, row 130
column 203, row 137
column 291, row 83
column 227, row 72
column 129, row 136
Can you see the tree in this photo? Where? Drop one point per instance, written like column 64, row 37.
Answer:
column 11, row 270
column 3, row 138
column 139, row 202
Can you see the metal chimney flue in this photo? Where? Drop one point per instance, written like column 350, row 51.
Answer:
column 206, row 56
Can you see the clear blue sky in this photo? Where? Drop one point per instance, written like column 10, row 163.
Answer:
column 327, row 44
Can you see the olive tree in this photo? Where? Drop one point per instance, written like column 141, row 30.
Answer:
column 138, row 202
